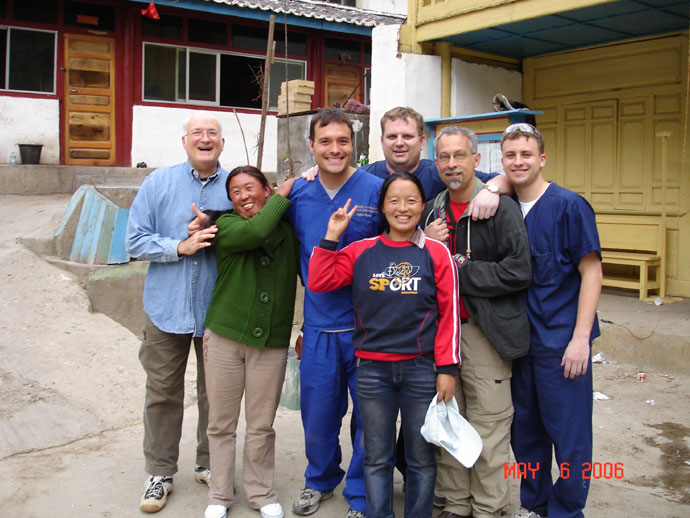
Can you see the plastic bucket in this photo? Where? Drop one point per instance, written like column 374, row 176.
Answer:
column 30, row 153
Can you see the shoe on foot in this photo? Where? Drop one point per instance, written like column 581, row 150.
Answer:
column 202, row 475
column 351, row 513
column 156, row 491
column 309, row 501
column 216, row 511
column 439, row 500
column 272, row 511
column 524, row 513
column 451, row 514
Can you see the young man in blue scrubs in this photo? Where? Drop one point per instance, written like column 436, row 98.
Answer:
column 552, row 385
column 327, row 367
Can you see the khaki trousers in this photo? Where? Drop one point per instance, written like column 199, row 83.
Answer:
column 482, row 390
column 232, row 370
column 164, row 358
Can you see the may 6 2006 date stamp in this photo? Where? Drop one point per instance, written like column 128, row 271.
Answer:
column 590, row 470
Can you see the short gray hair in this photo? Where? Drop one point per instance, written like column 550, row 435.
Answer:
column 458, row 130
column 200, row 114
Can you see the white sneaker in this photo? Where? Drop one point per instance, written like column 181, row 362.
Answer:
column 272, row 511
column 156, row 491
column 524, row 513
column 216, row 511
column 202, row 475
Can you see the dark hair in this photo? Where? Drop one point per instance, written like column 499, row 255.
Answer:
column 247, row 169
column 400, row 175
column 327, row 116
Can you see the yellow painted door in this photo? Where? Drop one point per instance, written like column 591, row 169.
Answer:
column 89, row 107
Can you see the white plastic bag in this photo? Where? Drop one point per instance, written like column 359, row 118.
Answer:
column 445, row 427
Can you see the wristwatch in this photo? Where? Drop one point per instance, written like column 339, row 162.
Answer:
column 492, row 188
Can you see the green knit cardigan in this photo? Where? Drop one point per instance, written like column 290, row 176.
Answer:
column 254, row 298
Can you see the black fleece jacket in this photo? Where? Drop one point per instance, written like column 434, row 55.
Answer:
column 494, row 279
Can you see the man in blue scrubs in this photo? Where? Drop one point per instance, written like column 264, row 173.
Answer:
column 552, row 385
column 327, row 367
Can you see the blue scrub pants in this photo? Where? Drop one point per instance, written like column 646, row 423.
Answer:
column 327, row 370
column 552, row 412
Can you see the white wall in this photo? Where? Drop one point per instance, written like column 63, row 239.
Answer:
column 400, row 80
column 29, row 121
column 386, row 6
column 157, row 137
column 473, row 87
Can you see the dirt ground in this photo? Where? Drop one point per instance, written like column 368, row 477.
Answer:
column 71, row 394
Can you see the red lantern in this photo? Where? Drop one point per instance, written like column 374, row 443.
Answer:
column 151, row 12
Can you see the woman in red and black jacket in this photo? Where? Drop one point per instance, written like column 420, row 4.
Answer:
column 405, row 298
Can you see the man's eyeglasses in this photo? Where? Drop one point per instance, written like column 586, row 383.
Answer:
column 212, row 134
column 522, row 127
column 458, row 156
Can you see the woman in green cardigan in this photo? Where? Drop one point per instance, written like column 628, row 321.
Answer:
column 248, row 326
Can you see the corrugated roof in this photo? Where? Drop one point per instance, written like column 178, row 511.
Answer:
column 319, row 11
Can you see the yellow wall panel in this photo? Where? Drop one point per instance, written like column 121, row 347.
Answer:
column 631, row 150
column 575, row 156
column 667, row 104
column 602, row 154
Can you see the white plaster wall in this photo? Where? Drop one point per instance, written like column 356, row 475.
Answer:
column 386, row 6
column 400, row 80
column 157, row 137
column 473, row 87
column 16, row 127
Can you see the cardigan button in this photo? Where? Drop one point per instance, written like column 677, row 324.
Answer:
column 265, row 261
column 263, row 297
column 258, row 332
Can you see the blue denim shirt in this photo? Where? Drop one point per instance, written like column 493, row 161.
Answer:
column 178, row 289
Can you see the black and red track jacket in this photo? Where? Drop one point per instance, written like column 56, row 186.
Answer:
column 404, row 293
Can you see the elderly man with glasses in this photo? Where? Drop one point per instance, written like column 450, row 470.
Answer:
column 179, row 285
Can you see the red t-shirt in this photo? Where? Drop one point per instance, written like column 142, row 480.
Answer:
column 457, row 210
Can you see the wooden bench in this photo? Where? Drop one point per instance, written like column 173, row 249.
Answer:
column 638, row 241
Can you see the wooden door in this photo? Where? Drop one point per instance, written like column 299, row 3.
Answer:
column 89, row 106
column 341, row 82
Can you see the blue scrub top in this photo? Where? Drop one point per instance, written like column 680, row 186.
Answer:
column 309, row 212
column 561, row 228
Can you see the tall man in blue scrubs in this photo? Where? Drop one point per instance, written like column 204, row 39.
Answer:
column 552, row 385
column 178, row 289
column 327, row 367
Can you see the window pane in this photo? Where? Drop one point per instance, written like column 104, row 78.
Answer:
column 367, row 54
column 204, row 31
column 297, row 43
column 343, row 50
column 249, row 37
column 238, row 86
column 202, row 77
column 43, row 11
column 32, row 60
column 3, row 8
column 89, row 16
column 296, row 70
column 169, row 27
column 160, row 73
column 3, row 54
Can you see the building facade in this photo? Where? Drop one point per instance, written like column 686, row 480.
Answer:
column 101, row 82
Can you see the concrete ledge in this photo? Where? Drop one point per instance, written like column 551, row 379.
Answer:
column 54, row 179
